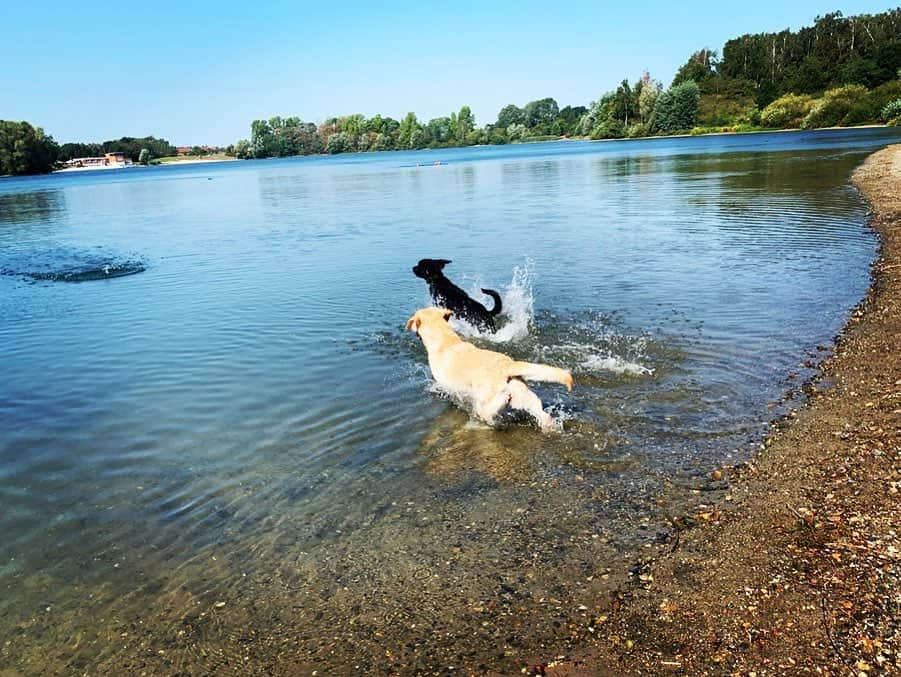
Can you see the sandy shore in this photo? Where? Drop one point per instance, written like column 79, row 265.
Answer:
column 195, row 161
column 798, row 571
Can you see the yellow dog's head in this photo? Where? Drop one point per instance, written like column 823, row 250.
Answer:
column 426, row 316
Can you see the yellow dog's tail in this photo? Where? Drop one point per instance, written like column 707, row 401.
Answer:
column 540, row 372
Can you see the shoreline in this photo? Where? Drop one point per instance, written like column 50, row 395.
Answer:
column 194, row 161
column 198, row 161
column 562, row 139
column 798, row 570
column 784, row 130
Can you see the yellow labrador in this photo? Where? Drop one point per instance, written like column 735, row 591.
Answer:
column 489, row 379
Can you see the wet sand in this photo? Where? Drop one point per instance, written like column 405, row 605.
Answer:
column 797, row 571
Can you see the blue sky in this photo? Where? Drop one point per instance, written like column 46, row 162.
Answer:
column 199, row 72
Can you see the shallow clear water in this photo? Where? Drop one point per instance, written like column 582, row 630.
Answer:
column 236, row 454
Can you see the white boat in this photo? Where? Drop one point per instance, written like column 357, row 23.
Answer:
column 107, row 161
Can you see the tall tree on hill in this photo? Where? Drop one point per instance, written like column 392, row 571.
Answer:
column 699, row 67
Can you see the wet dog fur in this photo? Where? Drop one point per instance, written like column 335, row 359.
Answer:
column 446, row 294
column 490, row 380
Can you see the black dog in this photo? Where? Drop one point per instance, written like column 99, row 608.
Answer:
column 448, row 295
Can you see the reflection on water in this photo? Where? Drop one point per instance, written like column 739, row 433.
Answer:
column 237, row 458
column 33, row 208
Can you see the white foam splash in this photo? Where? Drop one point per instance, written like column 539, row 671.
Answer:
column 592, row 357
column 518, row 308
column 614, row 364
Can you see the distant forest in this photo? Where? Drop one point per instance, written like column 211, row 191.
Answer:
column 840, row 71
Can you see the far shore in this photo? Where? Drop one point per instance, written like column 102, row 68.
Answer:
column 727, row 133
column 798, row 569
column 193, row 160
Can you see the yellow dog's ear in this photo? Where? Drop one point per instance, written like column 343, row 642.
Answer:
column 446, row 314
column 413, row 323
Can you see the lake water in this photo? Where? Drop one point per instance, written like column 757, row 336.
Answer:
column 236, row 458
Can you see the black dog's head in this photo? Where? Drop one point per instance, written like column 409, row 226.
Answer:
column 429, row 269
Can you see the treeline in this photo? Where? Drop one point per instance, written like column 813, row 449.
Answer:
column 840, row 71
column 128, row 145
column 836, row 51
column 284, row 137
column 25, row 149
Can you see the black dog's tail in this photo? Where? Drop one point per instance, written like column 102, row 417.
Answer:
column 497, row 301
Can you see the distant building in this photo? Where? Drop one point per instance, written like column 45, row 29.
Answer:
column 183, row 150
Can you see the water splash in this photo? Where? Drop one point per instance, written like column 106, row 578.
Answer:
column 589, row 344
column 615, row 364
column 594, row 348
column 69, row 265
column 518, row 311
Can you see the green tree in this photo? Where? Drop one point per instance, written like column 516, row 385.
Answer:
column 699, row 67
column 516, row 131
column 382, row 142
column 861, row 72
column 650, row 90
column 25, row 149
column 439, row 130
column 510, row 115
column 677, row 108
column 466, row 123
column 354, row 125
column 302, row 139
column 339, row 142
column 597, row 115
column 243, row 149
column 262, row 139
column 570, row 116
column 540, row 113
column 622, row 102
column 409, row 134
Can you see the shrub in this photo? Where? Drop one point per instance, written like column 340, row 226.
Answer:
column 891, row 110
column 788, row 110
column 835, row 105
column 885, row 94
column 636, row 131
column 516, row 131
column 609, row 129
column 718, row 110
column 339, row 143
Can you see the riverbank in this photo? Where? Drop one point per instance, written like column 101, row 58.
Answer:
column 798, row 571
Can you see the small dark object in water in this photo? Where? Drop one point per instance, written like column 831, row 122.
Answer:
column 446, row 294
column 97, row 273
